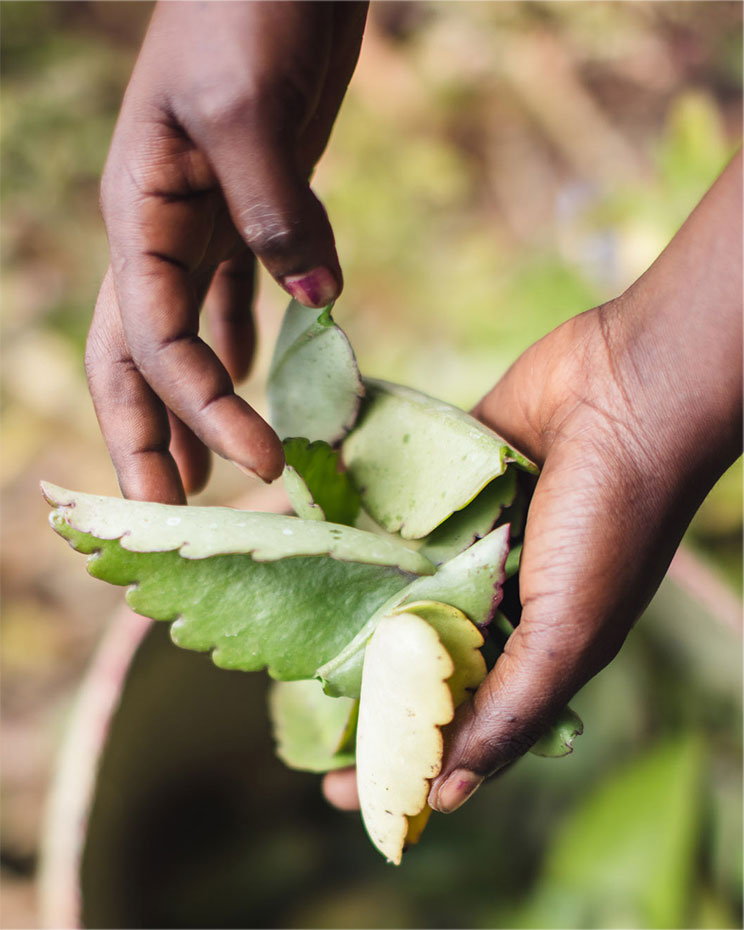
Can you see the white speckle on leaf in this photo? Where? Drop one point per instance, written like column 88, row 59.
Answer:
column 287, row 532
column 173, row 521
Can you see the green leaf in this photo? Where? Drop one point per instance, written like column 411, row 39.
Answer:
column 471, row 582
column 200, row 532
column 626, row 855
column 330, row 488
column 417, row 460
column 300, row 496
column 260, row 590
column 309, row 726
column 471, row 523
column 558, row 740
column 462, row 640
column 314, row 385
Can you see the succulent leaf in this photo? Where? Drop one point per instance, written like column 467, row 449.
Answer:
column 233, row 582
column 473, row 522
column 329, row 487
column 405, row 699
column 314, row 385
column 558, row 740
column 309, row 726
column 417, row 460
column 300, row 496
column 471, row 582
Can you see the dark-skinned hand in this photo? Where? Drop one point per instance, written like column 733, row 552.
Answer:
column 229, row 107
column 633, row 410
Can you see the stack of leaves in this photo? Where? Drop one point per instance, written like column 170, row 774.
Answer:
column 375, row 609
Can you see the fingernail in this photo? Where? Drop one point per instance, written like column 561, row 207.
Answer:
column 316, row 288
column 458, row 787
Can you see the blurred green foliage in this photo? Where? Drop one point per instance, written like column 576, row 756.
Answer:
column 471, row 218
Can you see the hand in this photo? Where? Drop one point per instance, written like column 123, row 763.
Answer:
column 229, row 107
column 633, row 410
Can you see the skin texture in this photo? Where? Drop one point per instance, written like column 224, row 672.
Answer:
column 229, row 107
column 633, row 410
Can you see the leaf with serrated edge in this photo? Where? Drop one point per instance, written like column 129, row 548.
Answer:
column 405, row 699
column 330, row 488
column 200, row 532
column 471, row 582
column 300, row 496
column 417, row 460
column 314, row 386
column 471, row 523
column 290, row 615
column 461, row 639
column 309, row 726
column 558, row 740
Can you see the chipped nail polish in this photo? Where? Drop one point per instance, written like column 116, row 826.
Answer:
column 316, row 288
column 456, row 790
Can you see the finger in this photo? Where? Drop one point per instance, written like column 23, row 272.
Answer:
column 272, row 206
column 160, row 319
column 157, row 245
column 191, row 455
column 580, row 591
column 340, row 789
column 229, row 314
column 346, row 41
column 133, row 421
column 249, row 130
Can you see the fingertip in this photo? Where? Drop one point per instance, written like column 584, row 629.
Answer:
column 454, row 791
column 316, row 288
column 264, row 457
column 340, row 789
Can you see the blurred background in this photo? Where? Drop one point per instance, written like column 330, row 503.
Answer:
column 496, row 169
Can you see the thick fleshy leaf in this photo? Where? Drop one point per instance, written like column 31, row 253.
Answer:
column 558, row 740
column 417, row 460
column 461, row 639
column 330, row 488
column 309, row 726
column 471, row 523
column 314, row 385
column 471, row 582
column 200, row 532
column 208, row 570
column 405, row 700
column 300, row 496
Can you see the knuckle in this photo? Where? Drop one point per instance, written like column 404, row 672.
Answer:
column 270, row 234
column 222, row 106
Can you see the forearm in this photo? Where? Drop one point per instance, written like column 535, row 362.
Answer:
column 679, row 333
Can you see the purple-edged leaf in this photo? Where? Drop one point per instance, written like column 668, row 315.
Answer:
column 417, row 460
column 558, row 740
column 314, row 385
column 473, row 522
column 257, row 589
column 471, row 582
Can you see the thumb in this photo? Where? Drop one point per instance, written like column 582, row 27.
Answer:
column 593, row 554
